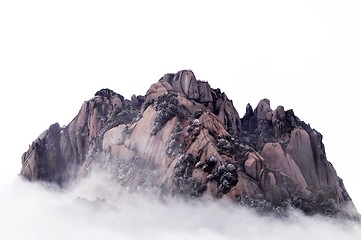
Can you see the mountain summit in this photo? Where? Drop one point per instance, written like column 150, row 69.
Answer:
column 185, row 138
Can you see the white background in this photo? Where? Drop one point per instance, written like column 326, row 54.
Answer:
column 304, row 55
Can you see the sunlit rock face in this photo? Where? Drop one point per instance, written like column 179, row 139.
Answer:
column 185, row 138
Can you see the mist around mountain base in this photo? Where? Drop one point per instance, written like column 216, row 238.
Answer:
column 91, row 209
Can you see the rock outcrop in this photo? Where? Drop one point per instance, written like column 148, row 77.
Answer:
column 185, row 138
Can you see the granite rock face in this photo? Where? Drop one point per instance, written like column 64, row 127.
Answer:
column 185, row 138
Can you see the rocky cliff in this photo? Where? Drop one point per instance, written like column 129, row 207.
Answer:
column 185, row 138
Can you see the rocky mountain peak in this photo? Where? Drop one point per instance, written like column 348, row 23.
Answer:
column 185, row 83
column 185, row 138
column 107, row 93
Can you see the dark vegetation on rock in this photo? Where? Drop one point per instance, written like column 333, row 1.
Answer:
column 185, row 138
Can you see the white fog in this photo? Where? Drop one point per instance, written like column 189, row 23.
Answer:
column 32, row 211
column 304, row 55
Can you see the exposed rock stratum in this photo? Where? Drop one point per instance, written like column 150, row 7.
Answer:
column 185, row 138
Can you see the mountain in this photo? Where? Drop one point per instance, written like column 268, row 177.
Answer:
column 185, row 138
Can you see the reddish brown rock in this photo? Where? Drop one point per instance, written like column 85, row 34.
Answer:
column 276, row 159
column 58, row 153
column 185, row 138
column 278, row 115
column 263, row 110
column 300, row 149
column 185, row 83
column 253, row 165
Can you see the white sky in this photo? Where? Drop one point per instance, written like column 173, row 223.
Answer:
column 304, row 55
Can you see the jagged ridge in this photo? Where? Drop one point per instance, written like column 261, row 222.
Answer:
column 185, row 138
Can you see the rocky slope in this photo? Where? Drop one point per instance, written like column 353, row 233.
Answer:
column 185, row 138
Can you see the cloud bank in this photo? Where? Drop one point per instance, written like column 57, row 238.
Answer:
column 34, row 211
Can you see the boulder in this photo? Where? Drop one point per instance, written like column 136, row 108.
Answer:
column 276, row 159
